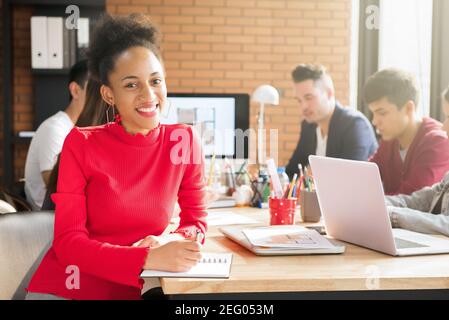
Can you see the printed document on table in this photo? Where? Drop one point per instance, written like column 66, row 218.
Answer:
column 286, row 237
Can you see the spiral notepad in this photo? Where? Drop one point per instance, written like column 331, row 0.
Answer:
column 211, row 265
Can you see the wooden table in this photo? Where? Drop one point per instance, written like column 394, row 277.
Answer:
column 358, row 269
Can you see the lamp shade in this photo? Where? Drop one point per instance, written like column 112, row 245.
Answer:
column 266, row 94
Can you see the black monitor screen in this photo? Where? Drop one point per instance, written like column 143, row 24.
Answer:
column 216, row 117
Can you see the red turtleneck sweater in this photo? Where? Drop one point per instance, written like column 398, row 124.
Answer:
column 114, row 189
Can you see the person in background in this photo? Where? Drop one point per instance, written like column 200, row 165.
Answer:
column 94, row 113
column 118, row 182
column 414, row 151
column 426, row 210
column 49, row 138
column 328, row 128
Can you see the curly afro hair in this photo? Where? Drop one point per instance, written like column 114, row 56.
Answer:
column 115, row 34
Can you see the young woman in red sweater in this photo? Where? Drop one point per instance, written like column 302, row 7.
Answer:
column 118, row 183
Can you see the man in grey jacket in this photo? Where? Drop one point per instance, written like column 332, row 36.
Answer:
column 426, row 210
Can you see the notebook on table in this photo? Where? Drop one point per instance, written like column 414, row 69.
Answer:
column 305, row 242
column 211, row 265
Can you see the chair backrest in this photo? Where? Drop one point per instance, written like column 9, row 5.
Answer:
column 5, row 207
column 15, row 200
column 24, row 240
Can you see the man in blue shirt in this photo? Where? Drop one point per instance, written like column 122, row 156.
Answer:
column 328, row 129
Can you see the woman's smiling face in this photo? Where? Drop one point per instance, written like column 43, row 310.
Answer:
column 137, row 89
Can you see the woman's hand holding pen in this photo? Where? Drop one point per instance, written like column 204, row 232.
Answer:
column 149, row 242
column 157, row 241
column 175, row 256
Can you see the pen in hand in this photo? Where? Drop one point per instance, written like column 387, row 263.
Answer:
column 199, row 236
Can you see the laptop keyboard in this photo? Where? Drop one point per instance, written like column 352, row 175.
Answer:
column 405, row 244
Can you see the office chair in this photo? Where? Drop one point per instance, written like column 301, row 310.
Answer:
column 5, row 207
column 18, row 202
column 25, row 238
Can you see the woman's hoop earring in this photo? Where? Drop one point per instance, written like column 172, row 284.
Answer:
column 107, row 112
column 166, row 108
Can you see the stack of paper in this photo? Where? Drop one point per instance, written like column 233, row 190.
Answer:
column 293, row 237
column 26, row 134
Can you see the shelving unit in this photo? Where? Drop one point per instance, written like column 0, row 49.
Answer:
column 50, row 85
column 49, row 72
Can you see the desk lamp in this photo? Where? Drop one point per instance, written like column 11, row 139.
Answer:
column 264, row 94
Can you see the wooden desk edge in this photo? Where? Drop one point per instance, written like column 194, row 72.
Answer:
column 211, row 286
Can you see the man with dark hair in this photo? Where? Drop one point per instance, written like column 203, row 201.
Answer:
column 328, row 129
column 49, row 138
column 414, row 151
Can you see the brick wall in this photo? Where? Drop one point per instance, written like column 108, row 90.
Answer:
column 224, row 46
column 22, row 83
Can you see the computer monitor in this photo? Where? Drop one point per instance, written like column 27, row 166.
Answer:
column 216, row 117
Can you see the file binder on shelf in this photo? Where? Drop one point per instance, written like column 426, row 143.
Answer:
column 82, row 37
column 55, row 41
column 72, row 47
column 39, row 44
column 53, row 45
column 83, row 32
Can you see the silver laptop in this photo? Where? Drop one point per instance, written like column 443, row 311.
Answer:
column 351, row 198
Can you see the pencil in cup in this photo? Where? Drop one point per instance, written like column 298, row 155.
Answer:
column 211, row 170
column 299, row 184
column 292, row 185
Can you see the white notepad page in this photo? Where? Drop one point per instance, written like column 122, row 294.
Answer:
column 211, row 265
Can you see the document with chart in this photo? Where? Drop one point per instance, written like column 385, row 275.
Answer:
column 286, row 237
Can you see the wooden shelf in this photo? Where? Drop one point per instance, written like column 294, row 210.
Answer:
column 50, row 72
column 87, row 3
column 20, row 140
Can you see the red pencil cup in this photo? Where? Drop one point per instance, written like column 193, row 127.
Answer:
column 282, row 211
